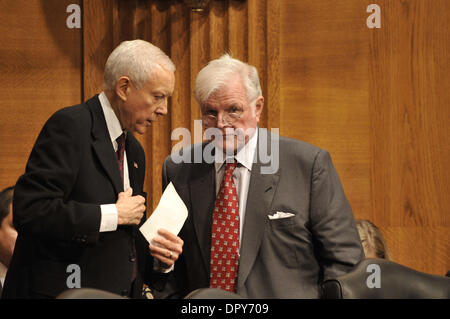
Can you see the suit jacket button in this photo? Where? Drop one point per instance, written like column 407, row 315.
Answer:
column 132, row 258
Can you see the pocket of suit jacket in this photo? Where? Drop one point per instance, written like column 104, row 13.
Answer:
column 281, row 241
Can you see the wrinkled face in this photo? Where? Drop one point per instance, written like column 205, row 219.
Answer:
column 229, row 110
column 142, row 106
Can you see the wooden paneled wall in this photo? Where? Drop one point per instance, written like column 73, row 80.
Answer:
column 377, row 99
column 40, row 64
column 409, row 106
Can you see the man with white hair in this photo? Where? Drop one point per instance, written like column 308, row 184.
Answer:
column 260, row 233
column 78, row 206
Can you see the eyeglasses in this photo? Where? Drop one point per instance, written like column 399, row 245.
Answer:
column 229, row 116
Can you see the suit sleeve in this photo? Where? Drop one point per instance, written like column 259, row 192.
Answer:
column 337, row 242
column 166, row 285
column 42, row 205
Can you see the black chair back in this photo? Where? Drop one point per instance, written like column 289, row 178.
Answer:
column 383, row 279
column 212, row 293
column 88, row 293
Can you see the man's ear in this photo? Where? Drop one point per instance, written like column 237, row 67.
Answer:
column 122, row 87
column 259, row 104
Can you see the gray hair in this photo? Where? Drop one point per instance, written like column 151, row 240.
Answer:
column 217, row 73
column 136, row 60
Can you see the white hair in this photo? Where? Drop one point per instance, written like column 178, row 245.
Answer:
column 217, row 74
column 136, row 60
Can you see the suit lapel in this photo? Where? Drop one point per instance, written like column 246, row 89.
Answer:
column 102, row 144
column 261, row 191
column 203, row 194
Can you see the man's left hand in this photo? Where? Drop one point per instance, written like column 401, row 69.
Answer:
column 166, row 247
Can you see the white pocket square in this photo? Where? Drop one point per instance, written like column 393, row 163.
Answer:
column 279, row 215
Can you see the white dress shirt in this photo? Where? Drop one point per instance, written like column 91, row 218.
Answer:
column 109, row 211
column 241, row 174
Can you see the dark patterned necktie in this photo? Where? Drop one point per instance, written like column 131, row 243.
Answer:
column 120, row 151
column 120, row 156
column 225, row 234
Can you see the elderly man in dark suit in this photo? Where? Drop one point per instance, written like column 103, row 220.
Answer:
column 262, row 231
column 78, row 206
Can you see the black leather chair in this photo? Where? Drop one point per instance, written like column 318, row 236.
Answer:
column 395, row 282
column 211, row 293
column 88, row 293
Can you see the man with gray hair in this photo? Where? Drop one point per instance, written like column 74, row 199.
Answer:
column 261, row 234
column 79, row 204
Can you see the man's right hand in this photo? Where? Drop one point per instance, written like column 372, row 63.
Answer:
column 130, row 209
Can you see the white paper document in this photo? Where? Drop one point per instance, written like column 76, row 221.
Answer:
column 170, row 214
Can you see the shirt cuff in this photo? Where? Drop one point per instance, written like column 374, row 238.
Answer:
column 109, row 217
column 157, row 266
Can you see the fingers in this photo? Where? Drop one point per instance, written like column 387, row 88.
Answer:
column 137, row 200
column 130, row 209
column 174, row 244
column 167, row 247
column 140, row 199
column 164, row 255
column 127, row 193
column 140, row 209
column 170, row 236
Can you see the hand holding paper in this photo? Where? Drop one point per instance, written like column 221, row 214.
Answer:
column 169, row 218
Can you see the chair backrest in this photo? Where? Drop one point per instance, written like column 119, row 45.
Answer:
column 212, row 293
column 383, row 279
column 88, row 293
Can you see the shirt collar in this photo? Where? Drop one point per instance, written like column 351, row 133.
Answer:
column 112, row 122
column 244, row 156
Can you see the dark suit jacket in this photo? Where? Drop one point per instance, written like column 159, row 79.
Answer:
column 280, row 258
column 71, row 171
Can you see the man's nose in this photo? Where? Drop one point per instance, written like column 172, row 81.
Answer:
column 221, row 121
column 163, row 109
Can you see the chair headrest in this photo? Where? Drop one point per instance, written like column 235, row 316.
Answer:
column 212, row 293
column 383, row 279
column 88, row 293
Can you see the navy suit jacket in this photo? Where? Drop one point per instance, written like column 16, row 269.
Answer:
column 71, row 171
